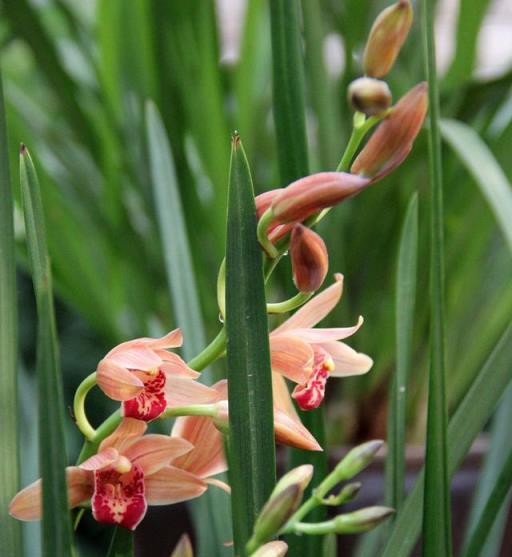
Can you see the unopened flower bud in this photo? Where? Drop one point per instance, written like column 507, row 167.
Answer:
column 347, row 494
column 392, row 142
column 310, row 261
column 221, row 418
column 387, row 36
column 369, row 96
column 276, row 512
column 300, row 476
column 183, row 548
column 357, row 459
column 311, row 194
column 361, row 521
column 271, row 549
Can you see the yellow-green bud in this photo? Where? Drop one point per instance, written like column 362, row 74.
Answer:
column 361, row 521
column 387, row 36
column 300, row 476
column 275, row 514
column 271, row 549
column 370, row 96
column 346, row 494
column 357, row 459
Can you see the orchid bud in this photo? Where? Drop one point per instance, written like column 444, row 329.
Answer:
column 276, row 513
column 361, row 520
column 310, row 261
column 387, row 36
column 183, row 548
column 300, row 476
column 346, row 494
column 311, row 194
column 271, row 549
column 357, row 459
column 369, row 96
column 392, row 142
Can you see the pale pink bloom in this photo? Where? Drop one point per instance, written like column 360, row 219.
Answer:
column 308, row 356
column 147, row 378
column 130, row 471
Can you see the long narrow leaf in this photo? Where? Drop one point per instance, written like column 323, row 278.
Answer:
column 121, row 544
column 10, row 540
column 484, row 168
column 436, row 518
column 252, row 459
column 212, row 510
column 470, row 417
column 498, row 495
column 52, row 452
column 405, row 298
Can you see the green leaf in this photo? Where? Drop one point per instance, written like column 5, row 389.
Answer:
column 251, row 442
column 484, row 168
column 468, row 420
column 121, row 544
column 288, row 87
column 10, row 540
column 436, row 517
column 212, row 510
column 489, row 513
column 500, row 444
column 52, row 453
column 404, row 314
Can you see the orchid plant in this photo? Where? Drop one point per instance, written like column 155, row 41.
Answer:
column 122, row 469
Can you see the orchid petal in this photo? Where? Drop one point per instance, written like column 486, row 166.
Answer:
column 346, row 360
column 152, row 452
column 291, row 432
column 174, row 365
column 119, row 498
column 181, row 392
column 101, row 459
column 172, row 485
column 117, row 382
column 207, row 457
column 126, row 433
column 27, row 504
column 150, row 402
column 134, row 355
column 173, row 339
column 220, row 484
column 313, row 336
column 315, row 310
column 291, row 357
column 282, row 398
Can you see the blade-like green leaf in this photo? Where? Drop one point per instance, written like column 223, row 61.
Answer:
column 212, row 511
column 470, row 417
column 251, row 443
column 492, row 507
column 52, row 452
column 500, row 445
column 484, row 168
column 10, row 540
column 288, row 87
column 121, row 544
column 405, row 298
column 436, row 516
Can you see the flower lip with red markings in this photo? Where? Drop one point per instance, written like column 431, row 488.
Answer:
column 129, row 472
column 147, row 378
column 308, row 356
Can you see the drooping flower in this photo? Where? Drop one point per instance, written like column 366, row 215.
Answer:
column 147, row 378
column 309, row 356
column 309, row 258
column 129, row 472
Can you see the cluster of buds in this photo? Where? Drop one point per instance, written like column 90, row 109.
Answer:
column 284, row 510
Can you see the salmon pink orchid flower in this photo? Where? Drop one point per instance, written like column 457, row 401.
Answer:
column 147, row 378
column 130, row 471
column 308, row 356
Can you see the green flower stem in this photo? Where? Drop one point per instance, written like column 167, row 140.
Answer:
column 288, row 305
column 191, row 410
column 263, row 239
column 79, row 406
column 213, row 351
column 311, row 528
column 90, row 447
